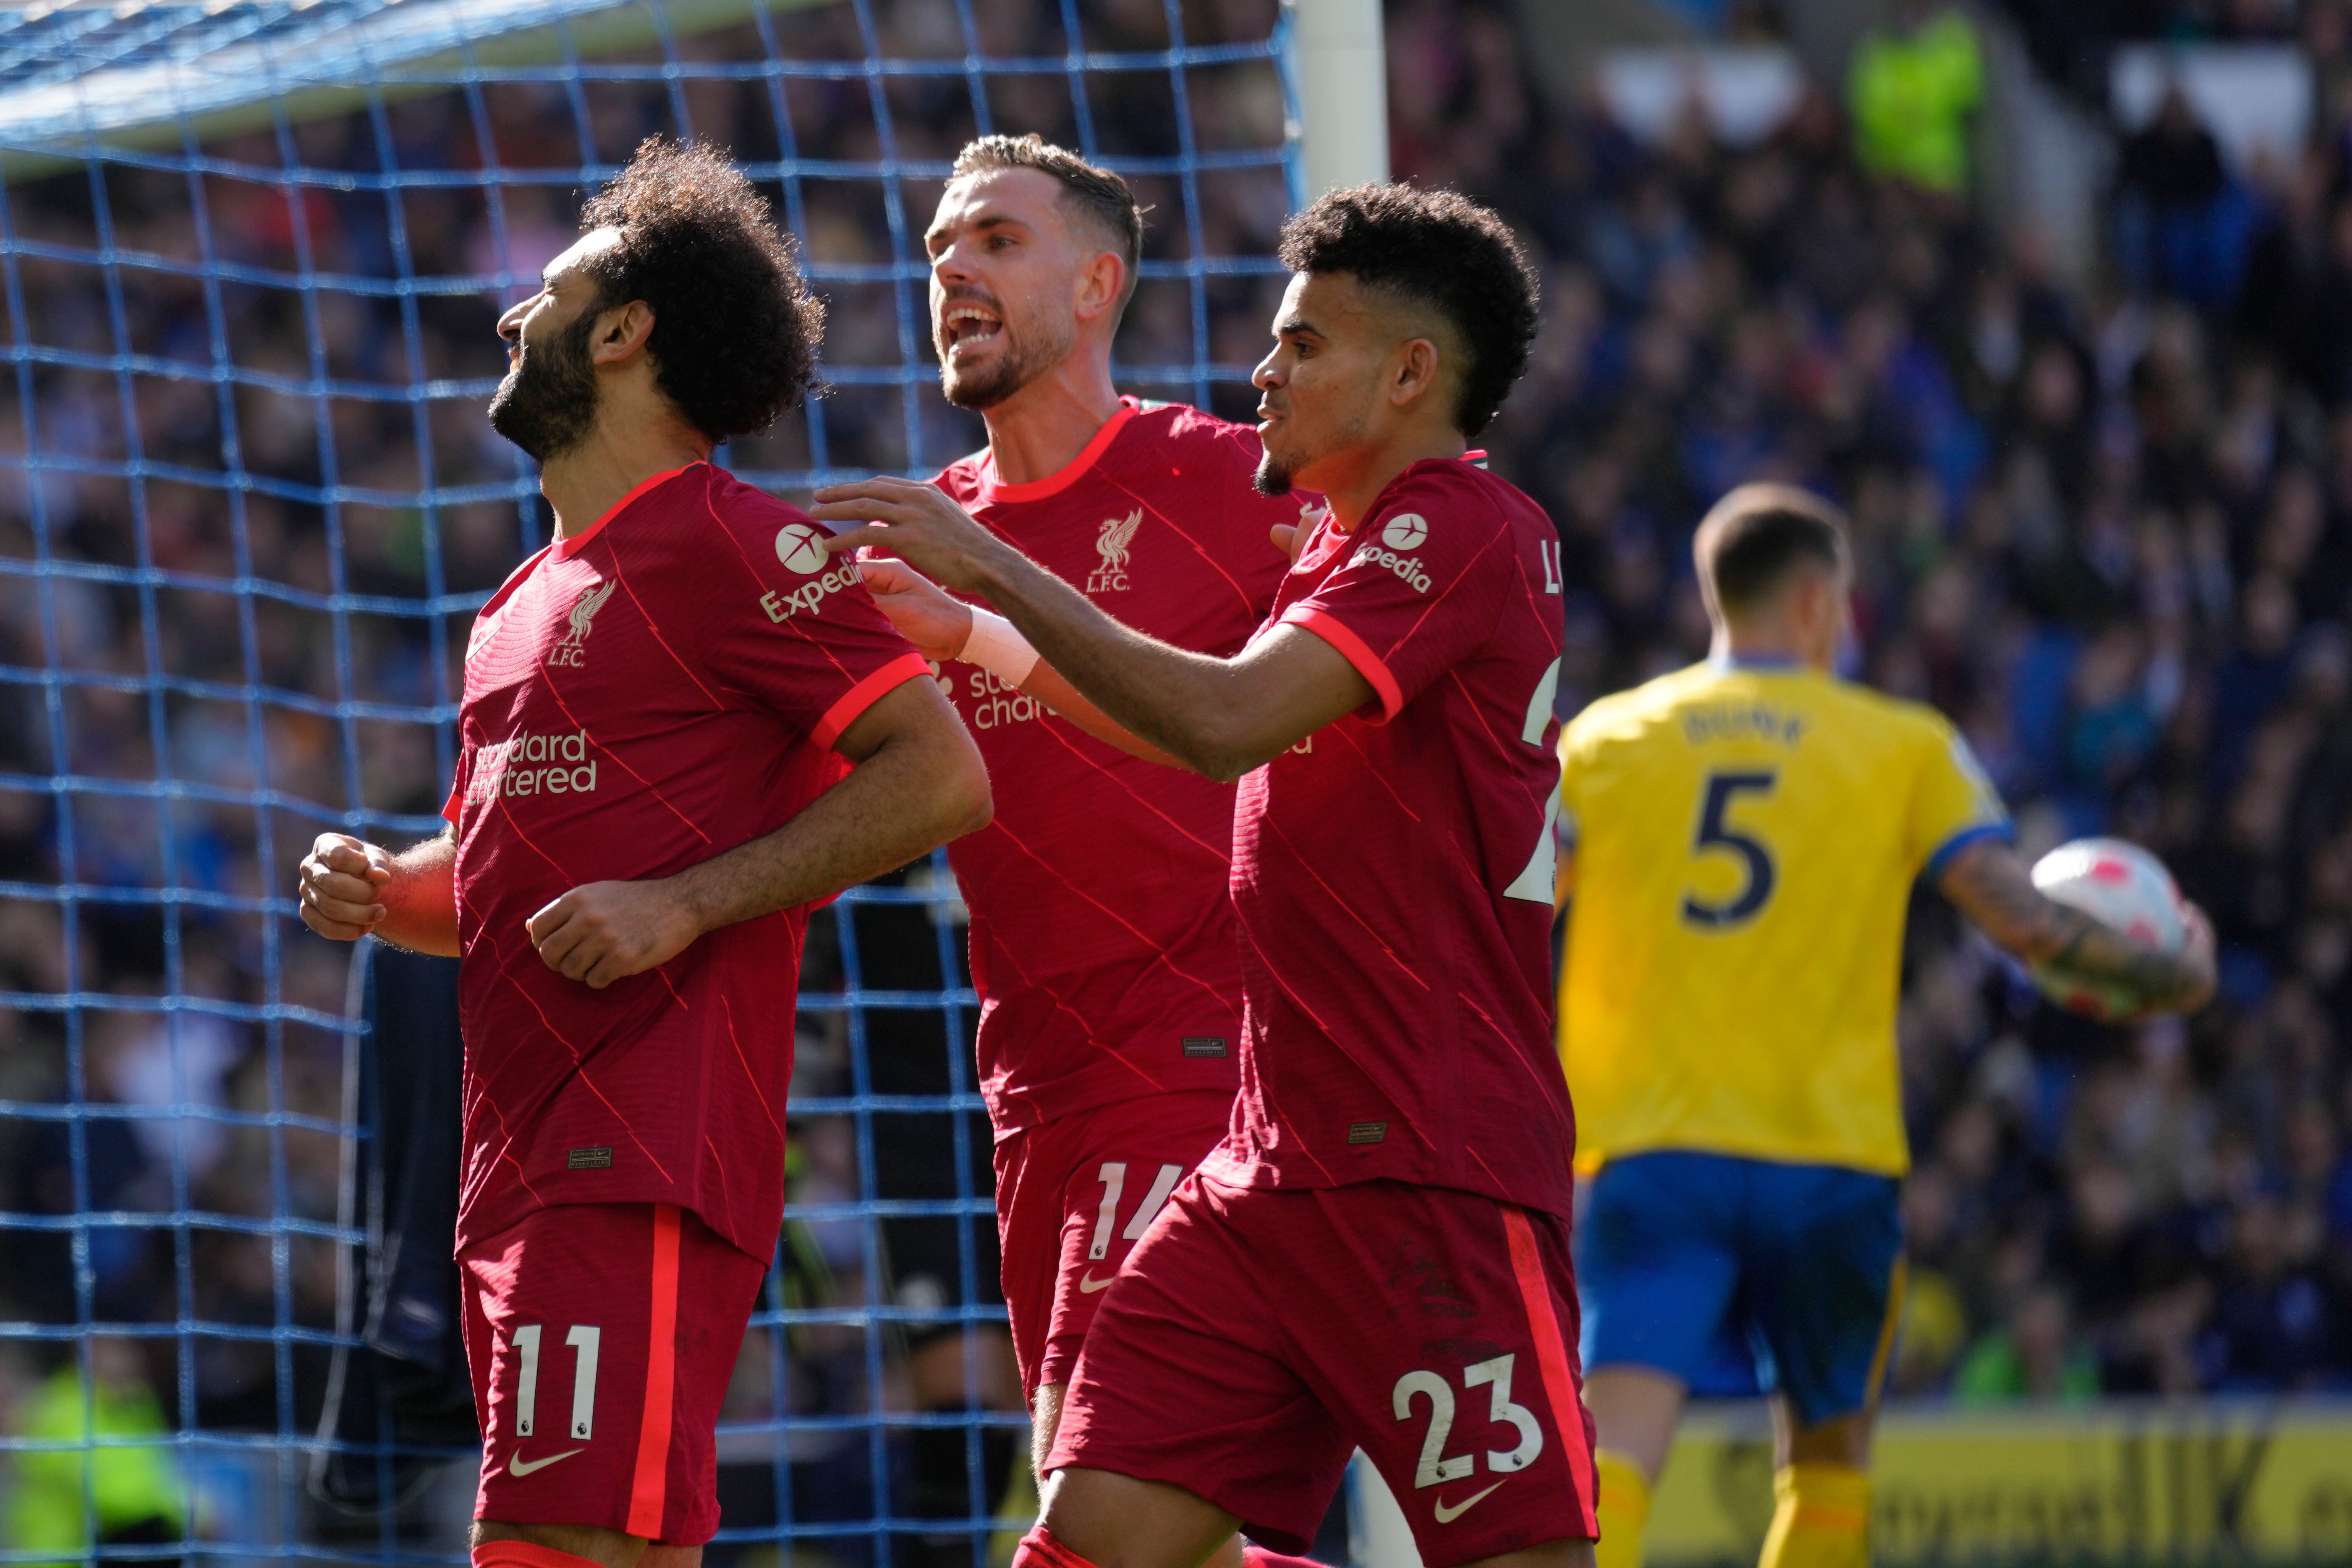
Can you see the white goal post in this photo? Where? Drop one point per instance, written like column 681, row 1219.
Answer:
column 1343, row 92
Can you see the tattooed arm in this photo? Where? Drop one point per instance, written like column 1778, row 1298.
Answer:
column 1991, row 886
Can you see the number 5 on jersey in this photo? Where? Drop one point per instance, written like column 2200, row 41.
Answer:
column 1718, row 836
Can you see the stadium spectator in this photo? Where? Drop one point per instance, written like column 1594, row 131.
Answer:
column 1914, row 88
column 2033, row 1355
column 125, row 1493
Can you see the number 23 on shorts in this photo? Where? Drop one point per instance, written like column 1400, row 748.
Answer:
column 1437, row 1466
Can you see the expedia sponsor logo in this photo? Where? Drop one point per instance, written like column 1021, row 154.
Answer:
column 808, row 596
column 533, row 764
column 1407, row 567
column 996, row 706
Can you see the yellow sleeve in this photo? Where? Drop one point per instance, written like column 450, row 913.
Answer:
column 1566, row 825
column 1953, row 804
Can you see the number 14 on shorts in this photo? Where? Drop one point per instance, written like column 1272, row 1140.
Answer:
column 1437, row 1466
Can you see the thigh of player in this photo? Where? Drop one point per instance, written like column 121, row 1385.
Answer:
column 600, row 1338
column 1119, row 1165
column 1824, row 1284
column 1256, row 1337
column 1441, row 1325
column 1658, row 1266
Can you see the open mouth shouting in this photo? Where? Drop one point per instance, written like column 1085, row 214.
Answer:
column 963, row 322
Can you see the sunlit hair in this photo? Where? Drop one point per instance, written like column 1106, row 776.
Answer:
column 1101, row 199
column 1440, row 249
column 736, row 331
column 1754, row 537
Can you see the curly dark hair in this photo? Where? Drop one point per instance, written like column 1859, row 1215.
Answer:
column 736, row 329
column 1440, row 249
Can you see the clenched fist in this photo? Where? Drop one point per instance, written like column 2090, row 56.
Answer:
column 604, row 931
column 341, row 883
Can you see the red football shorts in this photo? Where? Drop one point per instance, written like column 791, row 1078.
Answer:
column 1257, row 1336
column 1073, row 1197
column 600, row 1337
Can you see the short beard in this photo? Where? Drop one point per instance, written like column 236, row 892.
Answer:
column 547, row 404
column 1010, row 372
column 1271, row 478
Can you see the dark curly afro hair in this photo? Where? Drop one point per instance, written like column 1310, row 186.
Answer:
column 736, row 329
column 1440, row 249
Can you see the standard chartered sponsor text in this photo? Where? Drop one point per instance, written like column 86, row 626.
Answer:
column 556, row 764
column 996, row 706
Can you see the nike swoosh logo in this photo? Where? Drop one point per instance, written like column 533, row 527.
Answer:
column 1088, row 1284
column 1448, row 1515
column 520, row 1466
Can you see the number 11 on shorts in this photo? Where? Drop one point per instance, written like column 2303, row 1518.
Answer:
column 585, row 1339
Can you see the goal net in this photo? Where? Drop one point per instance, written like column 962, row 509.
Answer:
column 252, row 254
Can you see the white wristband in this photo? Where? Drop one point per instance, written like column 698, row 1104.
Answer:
column 997, row 648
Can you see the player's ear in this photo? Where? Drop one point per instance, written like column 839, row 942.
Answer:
column 1419, row 367
column 1101, row 276
column 620, row 333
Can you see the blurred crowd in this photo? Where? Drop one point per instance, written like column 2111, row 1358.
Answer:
column 2106, row 527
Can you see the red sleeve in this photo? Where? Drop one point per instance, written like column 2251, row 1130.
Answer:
column 1419, row 589
column 787, row 627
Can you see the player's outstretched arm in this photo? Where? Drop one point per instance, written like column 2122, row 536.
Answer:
column 1990, row 884
column 943, row 627
column 918, row 782
column 1218, row 717
column 348, row 888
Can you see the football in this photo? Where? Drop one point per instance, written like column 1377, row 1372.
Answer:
column 2120, row 885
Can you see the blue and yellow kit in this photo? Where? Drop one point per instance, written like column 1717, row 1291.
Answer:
column 1742, row 842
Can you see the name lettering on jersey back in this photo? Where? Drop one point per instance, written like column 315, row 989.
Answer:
column 1743, row 721
column 533, row 764
column 996, row 706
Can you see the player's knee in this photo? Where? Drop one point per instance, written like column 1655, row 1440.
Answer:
column 1104, row 1520
column 1045, row 1420
column 1842, row 1440
column 500, row 1545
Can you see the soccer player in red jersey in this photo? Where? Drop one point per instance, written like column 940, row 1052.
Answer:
column 1103, row 941
column 1378, row 1254
column 656, row 705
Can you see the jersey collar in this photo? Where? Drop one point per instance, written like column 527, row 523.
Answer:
column 1071, row 473
column 1757, row 661
column 572, row 544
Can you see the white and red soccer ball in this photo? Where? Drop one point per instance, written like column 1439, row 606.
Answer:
column 2119, row 885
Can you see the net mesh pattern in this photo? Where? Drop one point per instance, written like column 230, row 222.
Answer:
column 252, row 255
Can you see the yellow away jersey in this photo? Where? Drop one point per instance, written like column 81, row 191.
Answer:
column 1744, row 840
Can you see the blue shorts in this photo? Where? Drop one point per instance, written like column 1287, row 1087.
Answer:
column 1740, row 1276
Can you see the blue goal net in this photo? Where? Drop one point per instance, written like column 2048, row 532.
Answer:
column 252, row 254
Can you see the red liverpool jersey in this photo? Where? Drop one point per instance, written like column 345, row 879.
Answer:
column 654, row 690
column 1393, row 879
column 1102, row 939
